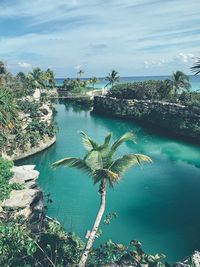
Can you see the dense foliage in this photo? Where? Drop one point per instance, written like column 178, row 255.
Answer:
column 22, row 123
column 5, row 175
column 141, row 90
column 166, row 90
column 55, row 247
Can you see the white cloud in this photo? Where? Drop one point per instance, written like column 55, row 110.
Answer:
column 185, row 58
column 101, row 35
column 77, row 67
column 24, row 65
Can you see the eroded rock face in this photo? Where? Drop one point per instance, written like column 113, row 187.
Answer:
column 175, row 118
column 27, row 202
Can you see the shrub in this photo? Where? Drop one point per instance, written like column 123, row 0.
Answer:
column 154, row 90
column 5, row 175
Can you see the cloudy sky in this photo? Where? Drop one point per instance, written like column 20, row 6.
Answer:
column 135, row 37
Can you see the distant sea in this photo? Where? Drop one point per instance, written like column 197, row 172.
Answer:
column 194, row 80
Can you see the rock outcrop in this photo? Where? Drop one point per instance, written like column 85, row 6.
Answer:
column 175, row 118
column 27, row 202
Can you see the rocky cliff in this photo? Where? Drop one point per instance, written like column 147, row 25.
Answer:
column 175, row 118
column 27, row 202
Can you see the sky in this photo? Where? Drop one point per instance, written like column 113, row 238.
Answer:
column 134, row 37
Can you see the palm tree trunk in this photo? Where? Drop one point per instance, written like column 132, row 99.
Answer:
column 84, row 257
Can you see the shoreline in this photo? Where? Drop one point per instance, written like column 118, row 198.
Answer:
column 151, row 114
column 43, row 145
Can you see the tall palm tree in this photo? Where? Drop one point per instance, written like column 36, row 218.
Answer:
column 112, row 78
column 196, row 67
column 93, row 81
column 99, row 163
column 3, row 72
column 80, row 72
column 38, row 78
column 49, row 75
column 180, row 82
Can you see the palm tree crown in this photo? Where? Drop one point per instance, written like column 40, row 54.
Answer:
column 180, row 82
column 80, row 72
column 98, row 161
column 112, row 78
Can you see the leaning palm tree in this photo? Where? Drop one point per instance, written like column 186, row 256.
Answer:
column 180, row 82
column 112, row 78
column 100, row 165
column 196, row 67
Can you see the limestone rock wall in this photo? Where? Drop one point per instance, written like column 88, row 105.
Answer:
column 176, row 118
column 27, row 202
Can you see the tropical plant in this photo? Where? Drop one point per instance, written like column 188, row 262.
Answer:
column 8, row 114
column 49, row 77
column 37, row 78
column 112, row 78
column 103, row 168
column 3, row 72
column 93, row 81
column 180, row 82
column 80, row 72
column 196, row 67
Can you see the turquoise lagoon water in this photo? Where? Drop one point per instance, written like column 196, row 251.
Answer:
column 194, row 80
column 157, row 204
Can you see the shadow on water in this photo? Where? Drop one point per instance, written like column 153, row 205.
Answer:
column 151, row 138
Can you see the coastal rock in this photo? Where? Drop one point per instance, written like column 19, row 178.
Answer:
column 20, row 199
column 27, row 202
column 24, row 174
column 175, row 118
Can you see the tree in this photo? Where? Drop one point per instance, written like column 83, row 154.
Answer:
column 112, row 78
column 49, row 75
column 93, row 80
column 3, row 72
column 37, row 77
column 8, row 115
column 103, row 168
column 80, row 72
column 196, row 67
column 180, row 82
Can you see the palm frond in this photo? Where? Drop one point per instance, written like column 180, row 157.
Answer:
column 196, row 67
column 123, row 163
column 73, row 163
column 106, row 174
column 125, row 137
column 94, row 160
column 88, row 143
column 106, row 143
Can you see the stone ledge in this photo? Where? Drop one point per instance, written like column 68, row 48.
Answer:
column 27, row 202
column 44, row 144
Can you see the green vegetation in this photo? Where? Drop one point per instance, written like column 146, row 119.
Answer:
column 74, row 86
column 180, row 82
column 112, row 78
column 55, row 247
column 167, row 90
column 196, row 67
column 5, row 175
column 21, row 122
column 103, row 168
column 176, row 90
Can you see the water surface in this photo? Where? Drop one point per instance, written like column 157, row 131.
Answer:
column 157, row 204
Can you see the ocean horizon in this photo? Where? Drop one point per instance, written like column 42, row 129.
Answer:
column 194, row 80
